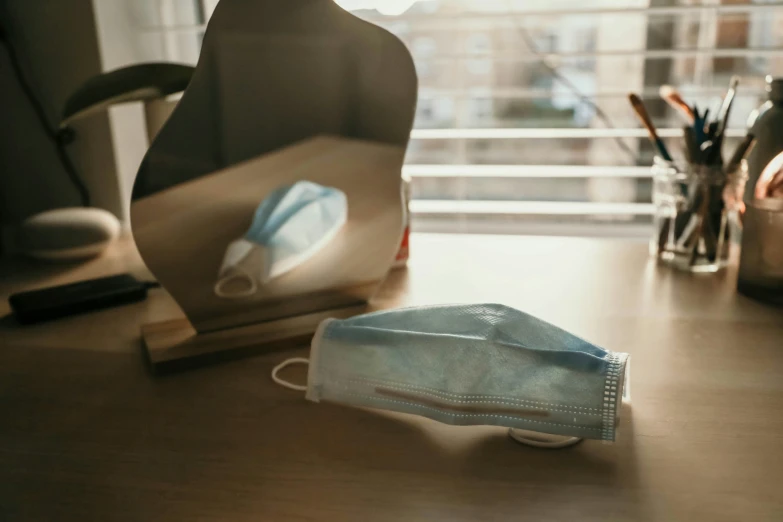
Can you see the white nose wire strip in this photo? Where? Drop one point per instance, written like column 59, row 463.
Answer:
column 285, row 364
column 540, row 442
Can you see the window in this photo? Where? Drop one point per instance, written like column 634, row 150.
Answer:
column 585, row 40
column 425, row 112
column 444, row 108
column 423, row 49
column 480, row 46
column 546, row 42
column 478, row 107
column 434, row 110
column 507, row 110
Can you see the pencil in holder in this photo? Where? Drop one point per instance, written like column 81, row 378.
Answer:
column 695, row 212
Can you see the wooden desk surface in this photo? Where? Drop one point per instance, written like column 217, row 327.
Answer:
column 87, row 434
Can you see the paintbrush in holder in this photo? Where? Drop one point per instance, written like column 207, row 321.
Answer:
column 694, row 207
column 695, row 201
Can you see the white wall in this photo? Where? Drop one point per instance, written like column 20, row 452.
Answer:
column 128, row 33
column 119, row 45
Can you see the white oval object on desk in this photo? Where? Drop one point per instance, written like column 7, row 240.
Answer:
column 67, row 234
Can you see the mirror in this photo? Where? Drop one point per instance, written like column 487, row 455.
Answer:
column 274, row 188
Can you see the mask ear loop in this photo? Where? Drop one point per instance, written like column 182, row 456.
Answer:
column 547, row 444
column 220, row 291
column 285, row 364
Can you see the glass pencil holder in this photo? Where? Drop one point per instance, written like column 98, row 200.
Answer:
column 695, row 212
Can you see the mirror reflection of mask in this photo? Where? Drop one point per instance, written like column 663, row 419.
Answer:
column 290, row 226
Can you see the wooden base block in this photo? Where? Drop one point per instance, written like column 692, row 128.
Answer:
column 175, row 345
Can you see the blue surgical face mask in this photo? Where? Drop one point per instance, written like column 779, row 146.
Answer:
column 482, row 364
column 291, row 225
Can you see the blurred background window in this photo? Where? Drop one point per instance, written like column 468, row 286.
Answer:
column 523, row 124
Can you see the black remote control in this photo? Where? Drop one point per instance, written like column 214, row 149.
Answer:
column 77, row 298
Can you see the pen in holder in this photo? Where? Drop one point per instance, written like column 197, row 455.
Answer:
column 694, row 207
column 696, row 201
